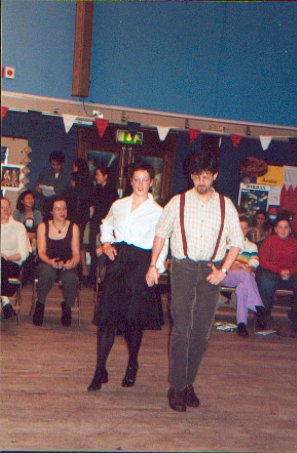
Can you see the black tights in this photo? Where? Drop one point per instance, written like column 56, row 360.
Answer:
column 105, row 340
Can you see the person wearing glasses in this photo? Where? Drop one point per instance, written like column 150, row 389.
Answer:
column 59, row 255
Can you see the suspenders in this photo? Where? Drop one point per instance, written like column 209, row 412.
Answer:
column 182, row 224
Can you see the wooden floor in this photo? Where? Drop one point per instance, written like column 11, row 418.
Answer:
column 247, row 388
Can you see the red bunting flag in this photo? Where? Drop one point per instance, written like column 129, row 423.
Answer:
column 4, row 110
column 194, row 133
column 101, row 126
column 236, row 139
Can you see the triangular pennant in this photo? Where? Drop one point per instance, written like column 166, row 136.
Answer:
column 4, row 110
column 133, row 128
column 265, row 141
column 101, row 126
column 163, row 132
column 194, row 133
column 236, row 139
column 68, row 121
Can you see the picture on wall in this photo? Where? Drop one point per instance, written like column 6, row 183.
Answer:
column 253, row 198
column 11, row 176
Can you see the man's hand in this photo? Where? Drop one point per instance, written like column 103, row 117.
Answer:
column 109, row 250
column 216, row 277
column 152, row 276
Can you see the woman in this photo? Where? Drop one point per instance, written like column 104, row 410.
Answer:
column 261, row 228
column 59, row 255
column 26, row 213
column 78, row 197
column 127, row 234
column 14, row 250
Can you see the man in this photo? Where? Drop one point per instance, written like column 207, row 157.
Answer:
column 14, row 251
column 278, row 269
column 55, row 178
column 194, row 280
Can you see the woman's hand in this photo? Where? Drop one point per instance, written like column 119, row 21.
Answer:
column 152, row 276
column 109, row 250
column 70, row 264
column 56, row 263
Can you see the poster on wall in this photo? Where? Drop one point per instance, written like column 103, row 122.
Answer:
column 11, row 177
column 253, row 198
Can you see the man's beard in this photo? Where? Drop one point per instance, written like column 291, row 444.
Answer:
column 202, row 190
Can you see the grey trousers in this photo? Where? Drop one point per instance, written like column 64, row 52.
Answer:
column 193, row 307
column 48, row 276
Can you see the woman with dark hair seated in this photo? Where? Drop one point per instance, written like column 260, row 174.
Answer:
column 26, row 213
column 59, row 254
column 261, row 228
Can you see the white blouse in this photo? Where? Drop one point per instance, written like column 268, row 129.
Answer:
column 136, row 227
column 14, row 239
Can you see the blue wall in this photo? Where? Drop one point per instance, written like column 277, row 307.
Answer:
column 38, row 40
column 231, row 60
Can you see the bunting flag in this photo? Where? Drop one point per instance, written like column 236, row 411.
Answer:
column 265, row 141
column 68, row 121
column 101, row 126
column 194, row 133
column 236, row 139
column 133, row 128
column 4, row 110
column 163, row 132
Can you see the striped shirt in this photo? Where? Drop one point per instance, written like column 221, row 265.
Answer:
column 202, row 224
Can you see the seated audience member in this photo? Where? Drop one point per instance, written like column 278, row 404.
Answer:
column 14, row 250
column 59, row 255
column 241, row 276
column 26, row 213
column 261, row 228
column 278, row 269
column 56, row 178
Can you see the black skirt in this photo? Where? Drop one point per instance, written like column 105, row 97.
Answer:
column 126, row 301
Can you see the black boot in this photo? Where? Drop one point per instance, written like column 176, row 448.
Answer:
column 242, row 330
column 100, row 377
column 66, row 315
column 105, row 339
column 261, row 322
column 130, row 376
column 38, row 314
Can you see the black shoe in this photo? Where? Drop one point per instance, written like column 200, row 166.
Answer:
column 130, row 376
column 242, row 330
column 66, row 315
column 8, row 311
column 38, row 314
column 261, row 321
column 177, row 400
column 192, row 399
column 98, row 379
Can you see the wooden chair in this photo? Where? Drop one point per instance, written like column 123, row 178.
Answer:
column 53, row 297
column 16, row 299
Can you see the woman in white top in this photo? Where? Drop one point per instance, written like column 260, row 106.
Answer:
column 127, row 303
column 14, row 251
